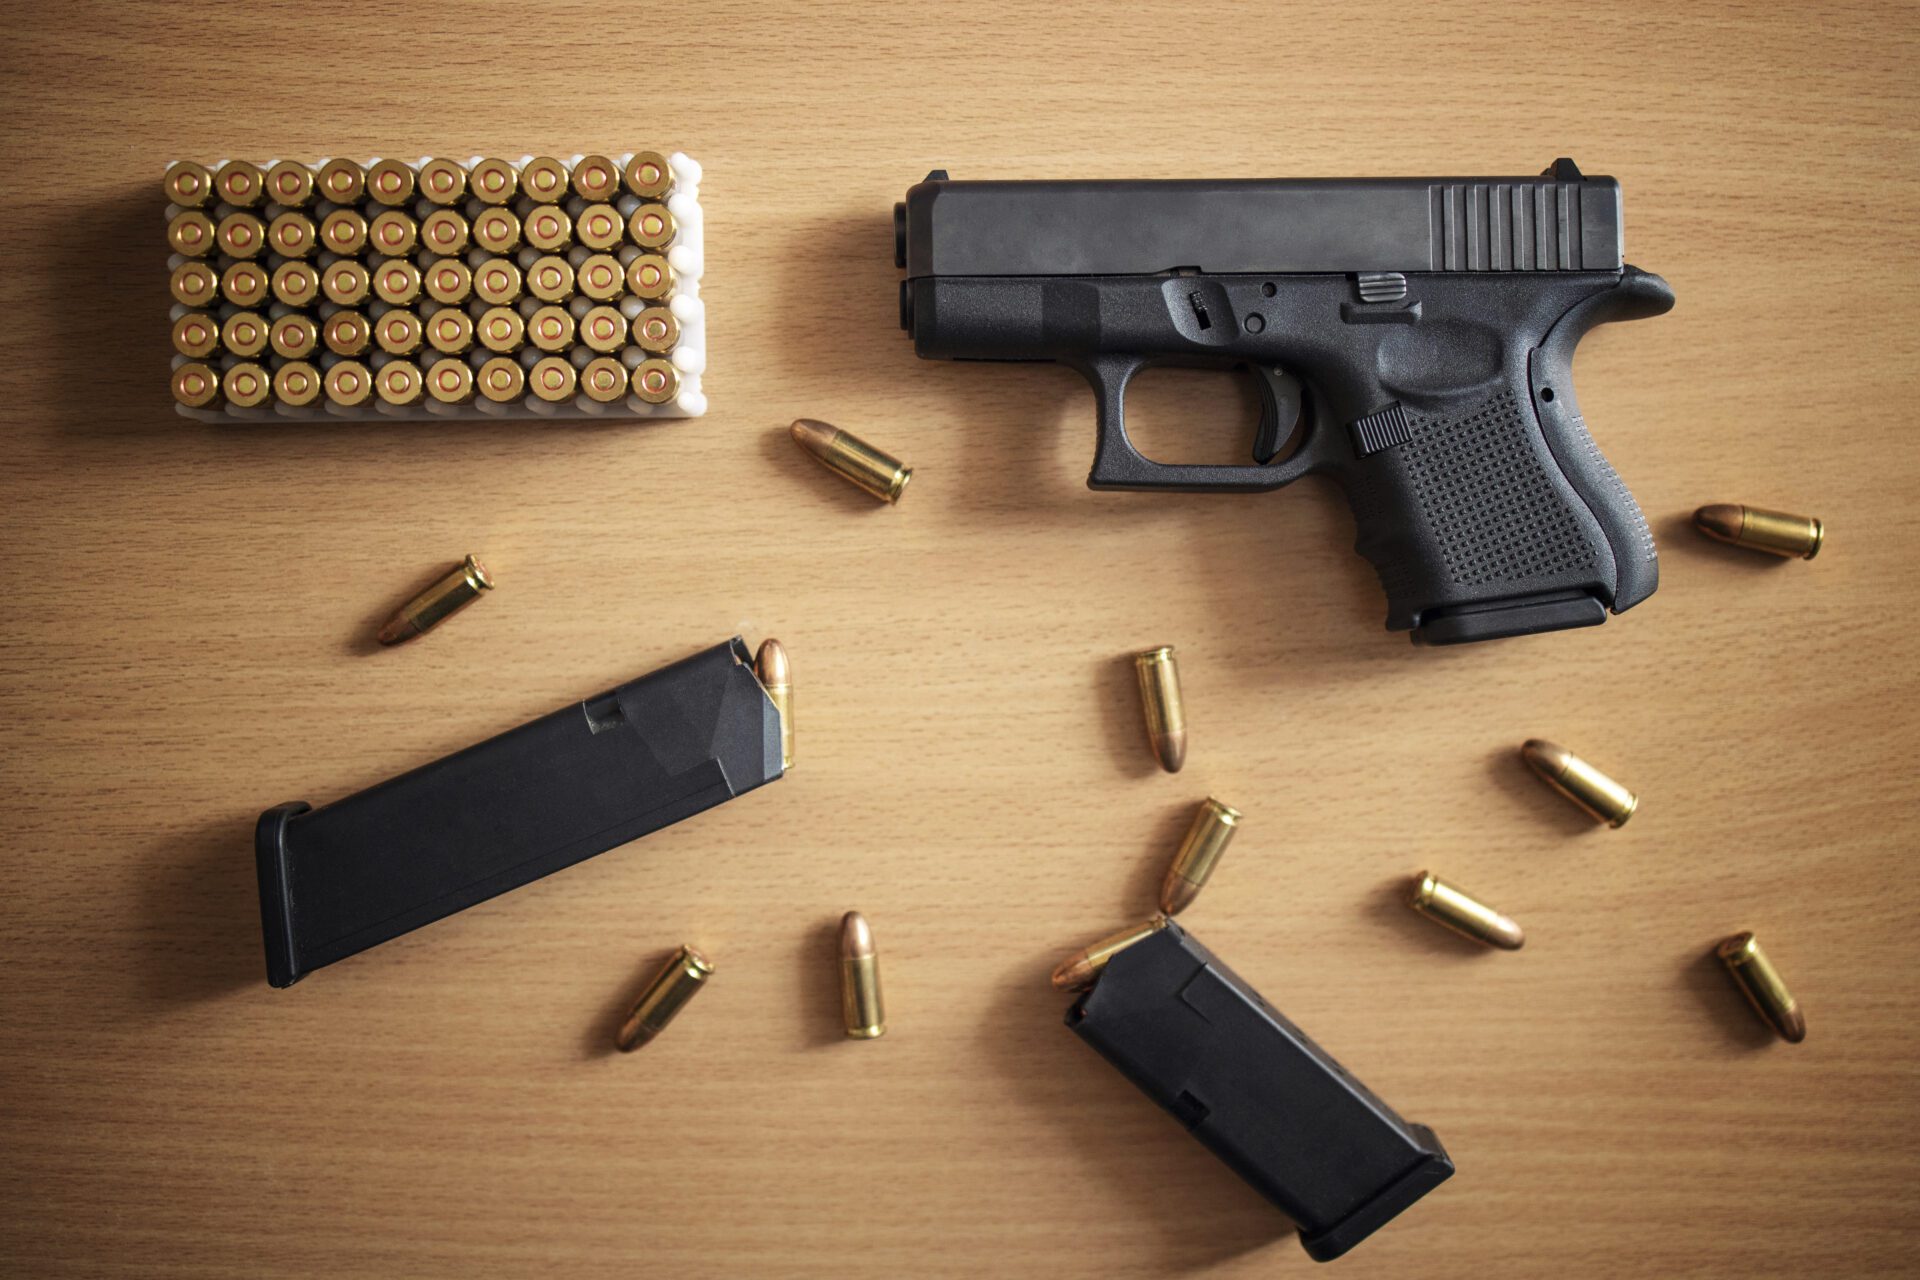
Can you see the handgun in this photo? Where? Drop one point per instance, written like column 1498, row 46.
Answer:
column 1411, row 338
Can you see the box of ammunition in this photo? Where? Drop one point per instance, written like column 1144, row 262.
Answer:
column 618, row 233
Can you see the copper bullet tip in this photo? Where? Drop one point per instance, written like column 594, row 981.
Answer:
column 1720, row 520
column 770, row 663
column 813, row 436
column 856, row 937
column 1075, row 973
column 1548, row 759
column 1177, row 893
column 395, row 630
column 1171, row 750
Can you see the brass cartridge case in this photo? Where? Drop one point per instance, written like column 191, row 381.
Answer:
column 290, row 184
column 1765, row 990
column 1158, row 672
column 1603, row 799
column 449, row 281
column 393, row 232
column 294, row 337
column 344, row 232
column 241, row 235
column 548, row 228
column 399, row 332
column 247, row 385
column 450, row 381
column 194, row 284
column 346, row 333
column 1777, row 533
column 390, row 182
column 601, row 277
column 190, row 232
column 1081, row 969
column 604, row 329
column 600, row 227
column 1207, row 838
column 196, row 385
column 500, row 329
column 497, row 282
column 655, row 330
column 776, row 677
column 1455, row 909
column 349, row 383
column 553, row 379
column 341, row 181
column 496, row 230
column 292, row 235
column 596, row 178
column 450, row 330
column 666, row 993
column 196, row 335
column 244, row 334
column 649, row 277
column 245, row 284
column 452, row 592
column 188, row 185
column 651, row 226
column 241, row 184
column 647, row 175
column 501, row 380
column 848, row 456
column 862, row 1011
column 603, row 380
column 396, row 282
column 297, row 383
column 444, row 232
column 296, row 283
column 656, row 381
column 399, row 382
column 550, row 279
column 551, row 329
column 442, row 181
column 543, row 180
column 494, row 182
column 346, row 283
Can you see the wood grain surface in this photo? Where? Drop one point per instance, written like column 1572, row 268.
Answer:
column 186, row 641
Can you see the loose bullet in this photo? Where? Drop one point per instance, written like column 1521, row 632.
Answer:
column 666, row 993
column 1764, row 989
column 1774, row 532
column 776, row 677
column 1603, row 799
column 455, row 591
column 1207, row 838
column 1454, row 908
column 853, row 459
column 1080, row 970
column 1160, row 698
column 861, row 1008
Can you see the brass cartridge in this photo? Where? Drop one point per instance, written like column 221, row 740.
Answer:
column 450, row 330
column 442, row 181
column 452, row 592
column 1765, row 990
column 862, row 1011
column 390, row 182
column 349, row 383
column 604, row 329
column 550, row 329
column 296, row 283
column 398, row 332
column 550, row 279
column 603, row 380
column 294, row 337
column 1159, row 676
column 501, row 380
column 196, row 335
column 1212, row 829
column 1081, row 969
column 346, row 283
column 346, row 333
column 497, row 282
column 500, row 329
column 770, row 664
column 194, row 284
column 1455, row 909
column 292, row 235
column 444, row 232
column 651, row 226
column 450, row 381
column 241, row 184
column 344, row 232
column 544, row 180
column 601, row 277
column 196, row 385
column 290, row 184
column 190, row 232
column 296, row 383
column 548, row 228
column 1775, row 532
column 393, row 232
column 655, row 330
column 188, row 185
column 847, row 456
column 553, row 379
column 399, row 382
column 666, row 993
column 656, row 381
column 241, row 235
column 494, row 182
column 396, row 282
column 496, row 230
column 341, row 181
column 647, row 175
column 596, row 178
column 449, row 281
column 245, row 284
column 1603, row 799
column 599, row 227
column 649, row 277
column 244, row 334
column 247, row 385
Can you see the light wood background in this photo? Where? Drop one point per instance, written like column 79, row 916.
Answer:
column 188, row 612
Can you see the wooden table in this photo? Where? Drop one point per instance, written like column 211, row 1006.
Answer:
column 186, row 641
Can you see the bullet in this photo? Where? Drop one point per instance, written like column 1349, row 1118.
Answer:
column 551, row 329
column 497, row 282
column 244, row 334
column 398, row 382
column 344, row 232
column 666, row 993
column 1159, row 675
column 548, row 228
column 599, row 226
column 194, row 284
column 290, row 184
column 656, row 381
column 1079, row 970
column 241, row 235
column 553, row 379
column 196, row 335
column 1603, row 799
column 776, row 677
column 390, row 182
column 346, row 283
column 649, row 277
column 296, row 283
column 655, row 330
column 294, row 337
column 349, row 383
column 496, row 230
column 1764, row 989
column 501, row 380
column 190, row 232
column 861, row 1008
column 450, row 331
column 1774, row 532
column 346, row 333
column 455, row 590
column 292, row 235
column 188, row 185
column 602, row 278
column 500, row 329
column 1207, row 838
column 651, row 226
column 341, row 181
column 396, row 281
column 247, row 385
column 603, row 380
column 444, row 232
column 1455, row 909
column 442, row 181
column 596, row 178
column 544, row 180
column 393, row 232
column 245, row 284
column 240, row 184
column 852, row 458
column 399, row 332
column 449, row 281
column 450, row 381
column 494, row 182
column 647, row 175
column 196, row 386
column 296, row 383
column 604, row 329
column 550, row 279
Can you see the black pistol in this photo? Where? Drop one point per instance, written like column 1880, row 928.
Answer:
column 1412, row 338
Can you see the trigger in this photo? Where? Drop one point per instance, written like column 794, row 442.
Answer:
column 1279, row 411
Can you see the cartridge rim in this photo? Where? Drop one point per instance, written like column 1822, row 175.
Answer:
column 244, row 333
column 248, row 385
column 543, row 180
column 393, row 233
column 399, row 382
column 656, row 381
column 344, row 232
column 244, row 284
column 449, row 282
column 501, row 380
column 445, row 232
column 649, row 277
column 450, row 330
column 187, row 184
column 398, row 332
column 550, row 279
column 596, row 178
column 648, row 175
column 651, row 226
column 290, row 183
column 450, row 382
column 496, row 230
column 191, row 232
column 396, row 282
column 349, row 383
column 442, row 181
column 341, row 180
column 346, row 283
column 346, row 333
column 500, row 329
column 291, row 234
column 601, row 277
column 599, row 226
column 390, row 182
column 493, row 182
column 497, row 281
column 656, row 330
column 553, row 379
column 604, row 380
column 547, row 228
column 296, row 383
column 196, row 334
column 550, row 328
column 604, row 329
column 295, row 283
column 195, row 385
column 241, row 183
column 241, row 235
column 193, row 284
column 294, row 337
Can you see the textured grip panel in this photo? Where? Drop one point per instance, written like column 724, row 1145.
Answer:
column 1643, row 550
column 1488, row 499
